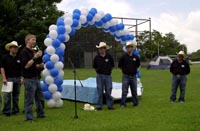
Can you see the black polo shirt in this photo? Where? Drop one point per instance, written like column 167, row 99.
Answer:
column 129, row 64
column 103, row 65
column 182, row 68
column 27, row 55
column 11, row 65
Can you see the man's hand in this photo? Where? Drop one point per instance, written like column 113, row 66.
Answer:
column 38, row 54
column 5, row 81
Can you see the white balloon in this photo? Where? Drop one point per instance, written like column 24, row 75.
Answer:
column 84, row 11
column 51, row 103
column 62, row 45
column 67, row 37
column 50, row 50
column 53, row 34
column 45, row 72
column 59, row 65
column 79, row 26
column 101, row 13
column 57, row 95
column 68, row 15
column 59, row 103
column 83, row 19
column 124, row 49
column 61, row 73
column 52, row 27
column 54, row 58
column 91, row 22
column 106, row 25
column 117, row 39
column 68, row 21
column 49, row 79
column 53, row 88
column 68, row 29
column 48, row 41
column 113, row 22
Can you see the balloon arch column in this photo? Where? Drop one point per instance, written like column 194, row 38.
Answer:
column 59, row 33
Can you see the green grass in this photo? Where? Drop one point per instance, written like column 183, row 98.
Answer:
column 155, row 113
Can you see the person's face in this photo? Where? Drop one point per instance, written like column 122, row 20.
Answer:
column 32, row 42
column 14, row 49
column 129, row 49
column 180, row 57
column 102, row 50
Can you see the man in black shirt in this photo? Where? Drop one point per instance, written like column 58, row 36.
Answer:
column 10, row 70
column 179, row 69
column 32, row 84
column 129, row 64
column 103, row 64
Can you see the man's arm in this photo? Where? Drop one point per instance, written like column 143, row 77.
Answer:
column 4, row 76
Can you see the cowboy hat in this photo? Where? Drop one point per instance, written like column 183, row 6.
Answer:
column 103, row 44
column 181, row 53
column 131, row 43
column 13, row 43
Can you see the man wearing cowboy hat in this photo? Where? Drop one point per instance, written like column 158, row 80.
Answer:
column 129, row 64
column 10, row 70
column 179, row 69
column 103, row 64
column 32, row 84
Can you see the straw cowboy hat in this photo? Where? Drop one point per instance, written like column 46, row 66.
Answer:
column 13, row 43
column 131, row 43
column 103, row 44
column 181, row 53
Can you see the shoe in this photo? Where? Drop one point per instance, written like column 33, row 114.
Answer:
column 41, row 116
column 15, row 113
column 122, row 106
column 29, row 120
column 6, row 114
column 181, row 101
column 98, row 108
column 111, row 108
column 135, row 105
column 172, row 102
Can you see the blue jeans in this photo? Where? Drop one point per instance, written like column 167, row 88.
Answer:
column 104, row 82
column 33, row 91
column 12, row 97
column 178, row 81
column 126, row 82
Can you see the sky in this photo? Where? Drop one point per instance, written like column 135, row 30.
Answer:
column 181, row 17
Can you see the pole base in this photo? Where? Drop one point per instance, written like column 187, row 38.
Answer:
column 76, row 117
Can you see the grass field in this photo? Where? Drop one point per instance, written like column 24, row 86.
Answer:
column 155, row 113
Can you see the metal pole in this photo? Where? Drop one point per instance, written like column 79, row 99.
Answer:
column 150, row 37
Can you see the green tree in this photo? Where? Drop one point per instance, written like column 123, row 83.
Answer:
column 19, row 17
column 195, row 56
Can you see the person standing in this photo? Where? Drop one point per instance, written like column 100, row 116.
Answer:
column 32, row 84
column 11, row 72
column 103, row 64
column 179, row 69
column 129, row 63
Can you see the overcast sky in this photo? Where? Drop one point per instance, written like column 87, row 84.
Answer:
column 182, row 17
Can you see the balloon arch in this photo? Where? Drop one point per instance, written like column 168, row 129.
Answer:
column 59, row 33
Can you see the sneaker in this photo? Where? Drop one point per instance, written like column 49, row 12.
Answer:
column 6, row 114
column 41, row 116
column 111, row 108
column 135, row 105
column 172, row 102
column 98, row 108
column 181, row 101
column 122, row 106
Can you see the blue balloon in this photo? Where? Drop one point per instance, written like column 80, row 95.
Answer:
column 112, row 28
column 124, row 37
column 47, row 95
column 73, row 31
column 61, row 29
column 89, row 17
column 60, row 21
column 131, row 37
column 93, row 11
column 99, row 23
column 108, row 16
column 60, row 51
column 62, row 38
column 54, row 72
column 45, row 87
column 46, row 57
column 61, row 58
column 76, row 16
column 75, row 23
column 49, row 65
column 77, row 11
column 85, row 24
column 120, row 26
column 58, row 81
column 136, row 52
column 56, row 43
column 60, row 89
